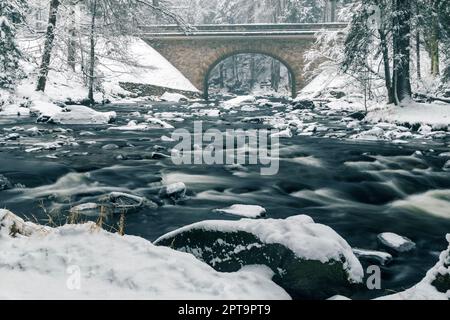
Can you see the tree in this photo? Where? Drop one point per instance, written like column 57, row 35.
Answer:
column 48, row 47
column 11, row 13
column 402, row 52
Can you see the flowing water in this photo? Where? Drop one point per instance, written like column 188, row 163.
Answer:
column 360, row 189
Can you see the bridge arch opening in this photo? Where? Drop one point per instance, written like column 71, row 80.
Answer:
column 246, row 72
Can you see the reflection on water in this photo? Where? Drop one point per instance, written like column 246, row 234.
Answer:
column 360, row 189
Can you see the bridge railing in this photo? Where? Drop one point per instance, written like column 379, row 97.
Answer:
column 247, row 28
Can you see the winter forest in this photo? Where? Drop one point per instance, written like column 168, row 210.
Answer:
column 225, row 149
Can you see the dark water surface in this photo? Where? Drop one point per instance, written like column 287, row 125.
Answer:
column 360, row 189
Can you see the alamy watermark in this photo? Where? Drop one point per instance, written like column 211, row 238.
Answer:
column 231, row 147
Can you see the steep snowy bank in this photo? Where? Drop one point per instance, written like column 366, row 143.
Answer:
column 44, row 263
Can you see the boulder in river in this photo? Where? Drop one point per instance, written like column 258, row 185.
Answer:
column 126, row 203
column 373, row 256
column 309, row 260
column 5, row 184
column 174, row 191
column 243, row 210
column 304, row 105
column 396, row 242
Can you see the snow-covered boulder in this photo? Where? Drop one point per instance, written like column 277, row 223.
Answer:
column 5, row 184
column 243, row 210
column 373, row 256
column 44, row 109
column 150, row 124
column 86, row 262
column 309, row 260
column 435, row 285
column 396, row 242
column 82, row 115
column 235, row 102
column 120, row 202
column 173, row 97
column 174, row 191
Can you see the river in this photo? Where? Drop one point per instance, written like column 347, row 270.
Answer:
column 358, row 188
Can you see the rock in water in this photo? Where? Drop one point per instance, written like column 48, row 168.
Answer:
column 243, row 210
column 435, row 285
column 358, row 115
column 5, row 184
column 126, row 203
column 88, row 209
column 309, row 260
column 379, row 257
column 396, row 242
column 175, row 191
column 304, row 105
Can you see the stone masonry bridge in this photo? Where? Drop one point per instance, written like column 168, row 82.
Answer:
column 195, row 53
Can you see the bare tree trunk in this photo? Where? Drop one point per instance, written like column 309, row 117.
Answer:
column 434, row 45
column 252, row 71
column 402, row 54
column 92, row 55
column 387, row 66
column 72, row 42
column 221, row 77
column 275, row 75
column 418, row 56
column 49, row 39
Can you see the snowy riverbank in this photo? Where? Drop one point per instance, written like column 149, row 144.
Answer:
column 86, row 262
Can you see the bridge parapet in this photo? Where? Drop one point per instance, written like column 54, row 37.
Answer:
column 233, row 29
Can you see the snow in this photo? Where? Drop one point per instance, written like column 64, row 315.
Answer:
column 242, row 210
column 82, row 115
column 424, row 290
column 147, row 66
column 44, row 108
column 396, row 242
column 308, row 240
column 235, row 102
column 173, row 189
column 44, row 263
column 150, row 124
column 435, row 115
column 14, row 110
column 381, row 256
column 173, row 97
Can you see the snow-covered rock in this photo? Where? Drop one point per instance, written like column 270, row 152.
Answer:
column 5, row 183
column 121, row 202
column 235, row 102
column 380, row 257
column 396, row 242
column 446, row 166
column 150, row 124
column 86, row 262
column 286, row 133
column 173, row 97
column 302, row 254
column 428, row 115
column 174, row 191
column 82, row 115
column 242, row 210
column 14, row 110
column 435, row 285
column 86, row 209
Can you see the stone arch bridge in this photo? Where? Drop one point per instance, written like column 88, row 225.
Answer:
column 196, row 53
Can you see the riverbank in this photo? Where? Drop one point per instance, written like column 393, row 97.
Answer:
column 77, row 262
